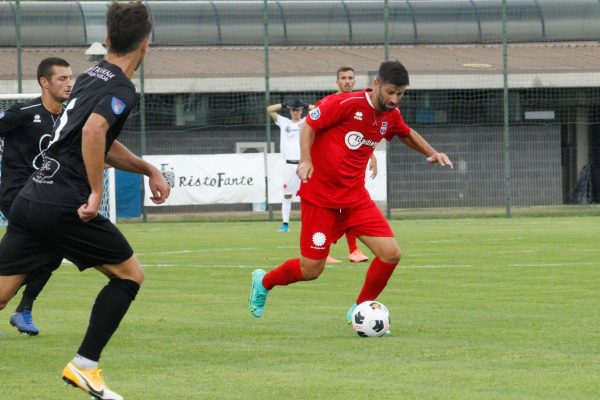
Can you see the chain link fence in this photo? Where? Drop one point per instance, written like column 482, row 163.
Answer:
column 205, row 86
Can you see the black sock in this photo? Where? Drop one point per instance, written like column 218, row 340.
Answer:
column 109, row 309
column 25, row 304
column 32, row 290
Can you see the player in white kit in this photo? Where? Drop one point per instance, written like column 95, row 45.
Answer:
column 290, row 151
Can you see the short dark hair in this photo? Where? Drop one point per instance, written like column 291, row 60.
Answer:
column 127, row 24
column 46, row 67
column 393, row 72
column 343, row 69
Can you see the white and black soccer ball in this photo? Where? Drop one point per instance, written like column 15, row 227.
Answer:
column 371, row 319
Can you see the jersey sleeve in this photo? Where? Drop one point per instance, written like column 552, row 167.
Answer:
column 10, row 120
column 116, row 104
column 327, row 114
column 281, row 120
column 399, row 128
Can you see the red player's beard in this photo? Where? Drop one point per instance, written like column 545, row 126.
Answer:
column 383, row 106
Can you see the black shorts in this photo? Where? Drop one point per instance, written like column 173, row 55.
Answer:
column 50, row 264
column 40, row 232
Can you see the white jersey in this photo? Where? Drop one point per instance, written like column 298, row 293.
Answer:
column 289, row 137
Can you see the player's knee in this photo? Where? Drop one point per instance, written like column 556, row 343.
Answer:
column 287, row 196
column 131, row 270
column 3, row 302
column 138, row 275
column 391, row 256
column 312, row 271
column 311, row 275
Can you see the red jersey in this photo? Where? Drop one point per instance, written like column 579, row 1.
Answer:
column 328, row 97
column 347, row 130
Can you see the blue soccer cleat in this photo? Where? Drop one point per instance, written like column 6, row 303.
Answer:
column 284, row 228
column 24, row 323
column 349, row 314
column 258, row 294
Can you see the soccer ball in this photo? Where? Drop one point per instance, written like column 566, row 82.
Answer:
column 371, row 319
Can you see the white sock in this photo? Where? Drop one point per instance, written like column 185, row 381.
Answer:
column 84, row 363
column 286, row 209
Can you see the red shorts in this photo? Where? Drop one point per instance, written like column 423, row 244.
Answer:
column 322, row 226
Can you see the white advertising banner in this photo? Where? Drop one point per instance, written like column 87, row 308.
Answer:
column 211, row 179
column 235, row 178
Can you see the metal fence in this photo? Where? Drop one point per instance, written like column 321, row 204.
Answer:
column 215, row 65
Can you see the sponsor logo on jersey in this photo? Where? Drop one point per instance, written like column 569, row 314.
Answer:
column 37, row 119
column 117, row 106
column 315, row 113
column 358, row 116
column 101, row 73
column 383, row 128
column 43, row 145
column 45, row 173
column 1, row 114
column 319, row 239
column 356, row 139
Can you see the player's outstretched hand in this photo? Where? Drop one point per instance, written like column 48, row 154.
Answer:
column 440, row 158
column 89, row 210
column 304, row 170
column 159, row 187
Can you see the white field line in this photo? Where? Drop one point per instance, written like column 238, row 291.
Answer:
column 401, row 266
column 158, row 253
column 568, row 264
column 362, row 266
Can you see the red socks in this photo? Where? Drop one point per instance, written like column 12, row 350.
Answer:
column 351, row 239
column 377, row 278
column 286, row 273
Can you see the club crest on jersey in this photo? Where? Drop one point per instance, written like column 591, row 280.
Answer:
column 356, row 139
column 37, row 119
column 358, row 116
column 383, row 128
column 315, row 114
column 117, row 106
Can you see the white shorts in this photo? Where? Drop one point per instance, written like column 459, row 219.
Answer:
column 291, row 182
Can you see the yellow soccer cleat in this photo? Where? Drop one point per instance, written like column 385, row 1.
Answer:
column 90, row 381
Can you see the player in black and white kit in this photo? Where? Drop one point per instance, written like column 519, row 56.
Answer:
column 56, row 213
column 26, row 129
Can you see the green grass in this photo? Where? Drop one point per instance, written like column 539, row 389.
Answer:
column 481, row 309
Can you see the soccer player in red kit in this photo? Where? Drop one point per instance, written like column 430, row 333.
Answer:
column 335, row 145
column 345, row 82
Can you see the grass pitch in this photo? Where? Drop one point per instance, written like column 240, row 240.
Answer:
column 481, row 309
